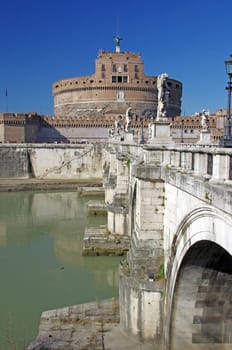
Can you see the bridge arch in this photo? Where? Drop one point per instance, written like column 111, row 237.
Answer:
column 198, row 302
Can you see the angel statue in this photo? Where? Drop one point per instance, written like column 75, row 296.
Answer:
column 204, row 119
column 128, row 119
column 163, row 95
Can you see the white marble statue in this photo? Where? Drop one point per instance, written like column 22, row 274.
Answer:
column 128, row 119
column 163, row 94
column 204, row 120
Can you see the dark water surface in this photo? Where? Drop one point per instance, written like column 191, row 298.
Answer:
column 41, row 266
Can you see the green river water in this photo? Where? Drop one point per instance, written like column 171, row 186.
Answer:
column 41, row 265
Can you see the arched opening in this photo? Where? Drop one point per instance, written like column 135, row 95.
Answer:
column 202, row 301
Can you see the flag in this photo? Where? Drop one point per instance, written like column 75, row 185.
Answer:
column 6, row 93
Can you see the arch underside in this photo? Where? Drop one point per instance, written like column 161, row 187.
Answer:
column 202, row 303
column 201, row 315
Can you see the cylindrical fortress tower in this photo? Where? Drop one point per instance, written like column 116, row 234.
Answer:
column 119, row 82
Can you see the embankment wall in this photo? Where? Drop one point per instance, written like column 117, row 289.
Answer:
column 51, row 161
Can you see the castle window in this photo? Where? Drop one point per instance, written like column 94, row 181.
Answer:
column 125, row 67
column 119, row 79
column 114, row 68
column 103, row 68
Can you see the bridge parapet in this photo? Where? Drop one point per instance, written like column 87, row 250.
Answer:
column 214, row 162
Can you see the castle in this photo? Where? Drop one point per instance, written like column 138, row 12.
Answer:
column 86, row 107
column 119, row 82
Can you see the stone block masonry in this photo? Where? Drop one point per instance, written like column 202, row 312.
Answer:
column 76, row 327
column 97, row 241
column 14, row 162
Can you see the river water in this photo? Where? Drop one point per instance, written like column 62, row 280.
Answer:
column 41, row 265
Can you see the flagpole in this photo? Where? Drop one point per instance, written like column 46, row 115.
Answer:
column 6, row 100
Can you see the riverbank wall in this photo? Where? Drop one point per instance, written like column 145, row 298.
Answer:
column 51, row 161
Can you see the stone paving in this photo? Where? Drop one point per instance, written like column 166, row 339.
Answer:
column 84, row 327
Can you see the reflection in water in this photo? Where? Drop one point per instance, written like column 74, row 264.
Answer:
column 2, row 234
column 41, row 265
column 59, row 205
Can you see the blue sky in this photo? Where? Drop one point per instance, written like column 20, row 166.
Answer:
column 42, row 41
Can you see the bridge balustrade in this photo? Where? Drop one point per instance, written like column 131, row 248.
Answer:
column 210, row 162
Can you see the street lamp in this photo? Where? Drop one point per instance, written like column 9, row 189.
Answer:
column 226, row 140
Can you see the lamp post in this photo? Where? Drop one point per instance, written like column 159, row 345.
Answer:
column 226, row 140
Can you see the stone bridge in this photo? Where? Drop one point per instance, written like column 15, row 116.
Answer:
column 175, row 202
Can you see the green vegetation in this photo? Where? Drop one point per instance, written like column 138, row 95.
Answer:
column 161, row 273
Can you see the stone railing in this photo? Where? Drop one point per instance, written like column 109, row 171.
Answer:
column 212, row 162
column 201, row 160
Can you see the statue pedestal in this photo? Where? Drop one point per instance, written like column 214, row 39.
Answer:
column 204, row 138
column 129, row 136
column 160, row 133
